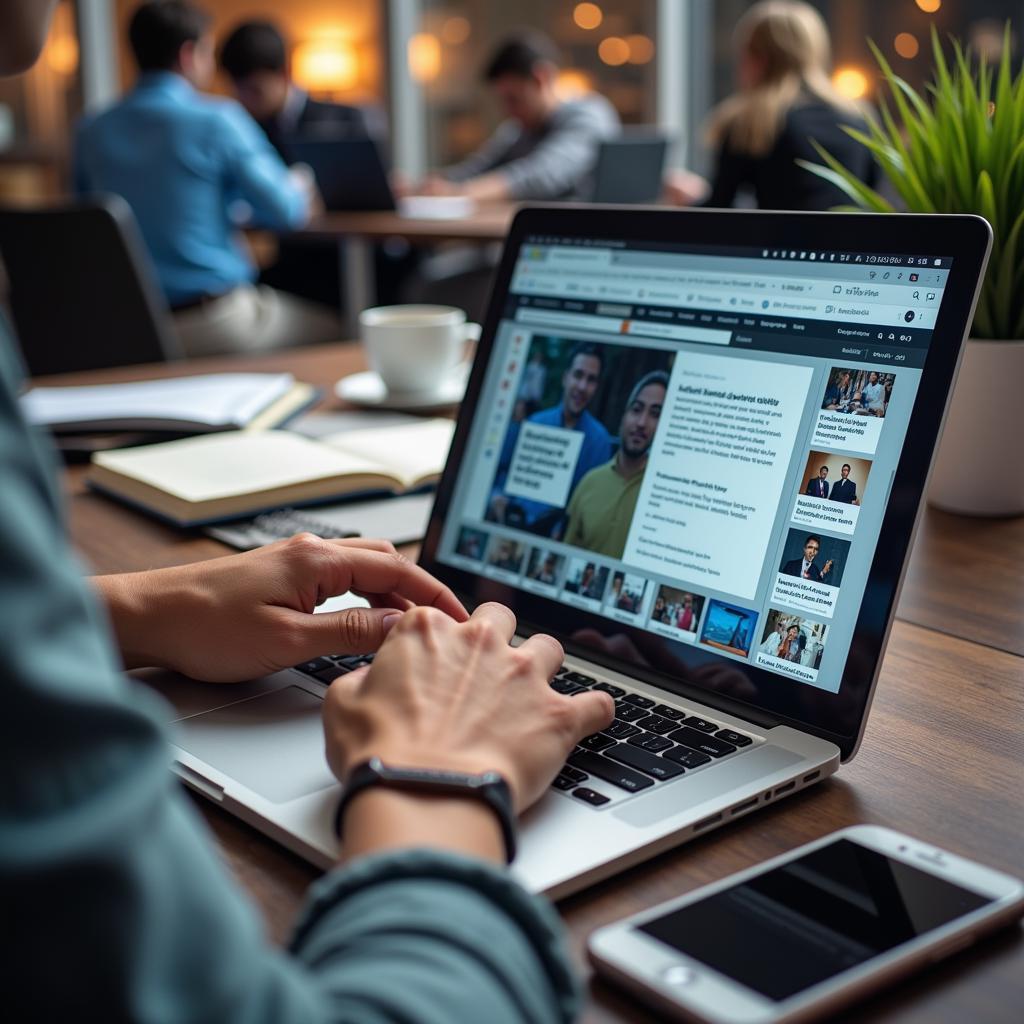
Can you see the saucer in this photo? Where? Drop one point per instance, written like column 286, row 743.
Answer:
column 368, row 389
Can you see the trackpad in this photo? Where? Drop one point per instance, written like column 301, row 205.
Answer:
column 272, row 744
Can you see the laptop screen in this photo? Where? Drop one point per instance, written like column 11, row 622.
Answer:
column 695, row 442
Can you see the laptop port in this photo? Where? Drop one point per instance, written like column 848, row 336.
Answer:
column 707, row 822
column 786, row 788
column 812, row 776
column 745, row 806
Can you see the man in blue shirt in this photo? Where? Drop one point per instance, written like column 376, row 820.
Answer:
column 186, row 163
column 580, row 382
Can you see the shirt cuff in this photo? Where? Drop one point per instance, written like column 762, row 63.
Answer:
column 535, row 918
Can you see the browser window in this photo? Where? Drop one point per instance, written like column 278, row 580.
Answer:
column 700, row 444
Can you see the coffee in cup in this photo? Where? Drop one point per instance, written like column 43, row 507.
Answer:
column 415, row 347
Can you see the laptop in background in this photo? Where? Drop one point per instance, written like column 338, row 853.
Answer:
column 349, row 171
column 737, row 612
column 629, row 169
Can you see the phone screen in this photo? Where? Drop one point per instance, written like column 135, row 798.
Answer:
column 806, row 921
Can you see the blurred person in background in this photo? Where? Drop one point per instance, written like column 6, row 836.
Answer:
column 183, row 161
column 254, row 56
column 785, row 100
column 547, row 147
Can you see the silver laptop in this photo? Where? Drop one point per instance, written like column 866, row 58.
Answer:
column 693, row 448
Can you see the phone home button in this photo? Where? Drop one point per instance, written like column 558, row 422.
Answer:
column 678, row 975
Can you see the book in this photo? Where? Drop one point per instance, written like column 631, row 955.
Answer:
column 218, row 477
column 177, row 405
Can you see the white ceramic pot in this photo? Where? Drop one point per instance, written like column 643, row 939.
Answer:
column 979, row 470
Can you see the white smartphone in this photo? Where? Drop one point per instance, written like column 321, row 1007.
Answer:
column 803, row 934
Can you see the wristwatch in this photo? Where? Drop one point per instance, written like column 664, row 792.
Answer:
column 488, row 787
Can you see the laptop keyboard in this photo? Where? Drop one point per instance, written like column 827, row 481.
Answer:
column 647, row 743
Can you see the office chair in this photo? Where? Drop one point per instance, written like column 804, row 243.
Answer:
column 81, row 290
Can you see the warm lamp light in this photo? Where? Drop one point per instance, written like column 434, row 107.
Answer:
column 641, row 49
column 851, row 82
column 328, row 64
column 613, row 51
column 587, row 15
column 62, row 55
column 424, row 57
column 572, row 83
column 906, row 45
column 929, row 6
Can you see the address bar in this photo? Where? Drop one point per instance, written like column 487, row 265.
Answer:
column 611, row 325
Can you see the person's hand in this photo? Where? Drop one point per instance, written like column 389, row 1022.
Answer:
column 456, row 696
column 435, row 185
column 684, row 188
column 827, row 569
column 245, row 615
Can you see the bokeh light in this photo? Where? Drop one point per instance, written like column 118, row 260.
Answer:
column 613, row 50
column 587, row 15
column 424, row 56
column 641, row 49
column 906, row 45
column 929, row 6
column 455, row 30
column 851, row 82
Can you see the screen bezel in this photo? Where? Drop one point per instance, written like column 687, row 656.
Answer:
column 838, row 717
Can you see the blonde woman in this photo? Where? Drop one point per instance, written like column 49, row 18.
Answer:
column 785, row 99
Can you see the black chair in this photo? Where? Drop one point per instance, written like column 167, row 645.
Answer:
column 81, row 289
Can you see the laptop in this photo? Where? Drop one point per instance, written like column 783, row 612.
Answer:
column 351, row 175
column 629, row 169
column 349, row 170
column 658, row 401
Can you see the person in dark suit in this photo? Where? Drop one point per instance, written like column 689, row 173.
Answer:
column 817, row 486
column 785, row 102
column 845, row 490
column 806, row 567
column 255, row 58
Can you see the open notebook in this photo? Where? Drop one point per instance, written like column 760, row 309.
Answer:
column 224, row 476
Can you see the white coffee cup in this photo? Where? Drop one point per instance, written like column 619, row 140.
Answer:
column 415, row 347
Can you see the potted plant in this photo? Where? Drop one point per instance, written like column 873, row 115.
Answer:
column 960, row 149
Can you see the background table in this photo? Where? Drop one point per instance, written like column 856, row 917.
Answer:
column 943, row 756
column 356, row 232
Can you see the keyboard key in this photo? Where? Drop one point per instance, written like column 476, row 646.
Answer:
column 620, row 730
column 564, row 686
column 686, row 757
column 563, row 782
column 649, row 764
column 590, row 796
column 579, row 677
column 310, row 668
column 700, row 741
column 618, row 775
column 655, row 723
column 701, row 724
column 666, row 712
column 648, row 741
column 573, row 773
column 562, row 671
column 597, row 742
column 638, row 700
column 615, row 691
column 628, row 712
column 736, row 738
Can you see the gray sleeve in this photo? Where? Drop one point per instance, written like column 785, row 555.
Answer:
column 565, row 156
column 113, row 895
column 490, row 156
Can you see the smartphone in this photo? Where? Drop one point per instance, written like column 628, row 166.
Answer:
column 803, row 934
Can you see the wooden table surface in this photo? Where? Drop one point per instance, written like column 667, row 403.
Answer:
column 488, row 223
column 943, row 756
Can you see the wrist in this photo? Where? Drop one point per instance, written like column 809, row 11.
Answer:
column 138, row 606
column 379, row 819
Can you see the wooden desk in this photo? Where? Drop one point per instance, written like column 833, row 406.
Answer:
column 356, row 231
column 943, row 757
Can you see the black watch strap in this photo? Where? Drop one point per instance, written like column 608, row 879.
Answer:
column 488, row 787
